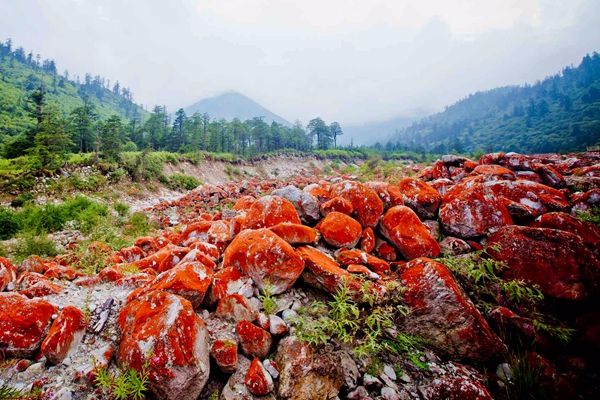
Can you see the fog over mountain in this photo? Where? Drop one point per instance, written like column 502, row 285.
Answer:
column 345, row 61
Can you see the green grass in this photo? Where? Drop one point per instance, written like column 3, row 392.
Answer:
column 592, row 216
column 126, row 384
column 269, row 302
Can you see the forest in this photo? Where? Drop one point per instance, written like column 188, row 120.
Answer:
column 46, row 115
column 558, row 114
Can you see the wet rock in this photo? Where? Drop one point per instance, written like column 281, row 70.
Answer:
column 420, row 197
column 254, row 341
column 269, row 211
column 443, row 314
column 161, row 330
column 401, row 226
column 258, row 381
column 23, row 324
column 340, row 230
column 574, row 269
column 266, row 258
column 305, row 375
column 64, row 336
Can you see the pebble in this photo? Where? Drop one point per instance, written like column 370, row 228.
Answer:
column 389, row 371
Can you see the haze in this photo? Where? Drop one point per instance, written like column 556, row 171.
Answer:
column 351, row 61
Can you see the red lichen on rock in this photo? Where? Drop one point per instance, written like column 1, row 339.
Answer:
column 236, row 308
column 65, row 333
column 367, row 205
column 401, row 226
column 266, row 258
column 254, row 341
column 270, row 210
column 23, row 324
column 257, row 380
column 225, row 354
column 338, row 204
column 420, row 197
column 340, row 230
column 295, row 234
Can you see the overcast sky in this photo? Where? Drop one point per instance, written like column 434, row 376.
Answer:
column 344, row 60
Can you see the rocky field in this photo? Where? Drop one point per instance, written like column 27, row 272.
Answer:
column 472, row 280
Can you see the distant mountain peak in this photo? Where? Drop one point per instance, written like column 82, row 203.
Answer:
column 231, row 104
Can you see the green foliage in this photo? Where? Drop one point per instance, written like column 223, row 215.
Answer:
column 269, row 302
column 179, row 181
column 558, row 114
column 30, row 244
column 10, row 223
column 214, row 395
column 350, row 322
column 126, row 384
column 22, row 199
column 526, row 382
column 9, row 393
column 592, row 216
column 559, row 333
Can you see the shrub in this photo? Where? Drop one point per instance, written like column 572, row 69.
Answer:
column 22, row 199
column 10, row 223
column 183, row 182
column 34, row 245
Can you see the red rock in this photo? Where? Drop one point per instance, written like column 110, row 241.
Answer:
column 220, row 234
column 401, row 226
column 506, row 319
column 225, row 353
column 385, row 251
column 340, row 230
column 236, row 308
column 454, row 246
column 588, row 232
column 322, row 190
column 197, row 229
column 32, row 264
column 88, row 281
column 150, row 244
column 367, row 240
column 420, row 197
column 244, row 203
column 32, row 284
column 266, row 258
column 305, row 203
column 441, row 185
column 367, row 205
column 390, row 195
column 128, row 254
column 57, row 271
column 471, row 209
column 210, row 250
column 257, row 380
column 354, row 256
column 571, row 273
column 164, row 259
column 270, row 210
column 226, row 281
column 23, row 324
column 549, row 175
column 529, row 176
column 462, row 383
column 469, row 165
column 8, row 273
column 161, row 330
column 65, row 333
column 584, row 202
column 254, row 341
column 137, row 280
column 439, row 170
column 527, row 199
column 338, row 204
column 362, row 270
column 323, row 272
column 189, row 280
column 494, row 171
column 443, row 314
column 295, row 233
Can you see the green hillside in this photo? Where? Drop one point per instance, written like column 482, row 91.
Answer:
column 560, row 113
column 22, row 73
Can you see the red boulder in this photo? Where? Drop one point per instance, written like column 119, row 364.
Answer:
column 367, row 205
column 254, row 341
column 258, row 381
column 340, row 230
column 401, row 226
column 65, row 334
column 270, row 210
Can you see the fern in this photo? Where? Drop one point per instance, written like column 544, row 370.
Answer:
column 269, row 302
column 9, row 393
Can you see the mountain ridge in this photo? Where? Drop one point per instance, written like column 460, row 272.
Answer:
column 231, row 104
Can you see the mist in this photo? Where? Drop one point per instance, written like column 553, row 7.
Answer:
column 349, row 61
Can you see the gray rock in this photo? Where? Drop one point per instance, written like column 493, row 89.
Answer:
column 371, row 382
column 350, row 371
column 306, row 204
column 387, row 393
column 360, row 393
column 389, row 371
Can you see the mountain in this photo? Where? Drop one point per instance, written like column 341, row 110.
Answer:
column 232, row 105
column 558, row 114
column 370, row 133
column 21, row 74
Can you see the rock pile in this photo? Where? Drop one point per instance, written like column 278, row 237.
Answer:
column 185, row 306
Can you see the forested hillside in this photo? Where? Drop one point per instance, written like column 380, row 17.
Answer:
column 22, row 73
column 560, row 113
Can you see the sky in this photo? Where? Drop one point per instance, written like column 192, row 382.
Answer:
column 346, row 60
